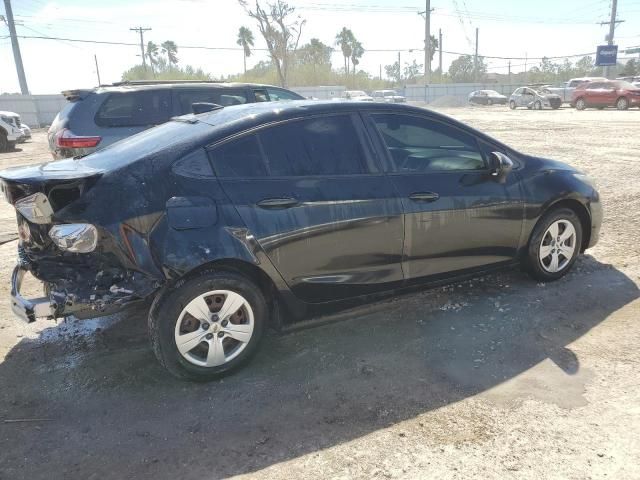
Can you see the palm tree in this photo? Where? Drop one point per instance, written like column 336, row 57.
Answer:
column 245, row 40
column 152, row 54
column 357, row 51
column 170, row 49
column 344, row 40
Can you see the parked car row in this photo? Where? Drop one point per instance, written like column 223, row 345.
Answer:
column 12, row 130
column 580, row 93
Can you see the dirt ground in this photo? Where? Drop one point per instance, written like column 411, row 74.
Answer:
column 499, row 377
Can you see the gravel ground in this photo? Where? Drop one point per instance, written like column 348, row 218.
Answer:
column 499, row 377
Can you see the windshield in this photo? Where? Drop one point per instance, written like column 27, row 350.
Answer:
column 390, row 93
column 624, row 85
column 355, row 93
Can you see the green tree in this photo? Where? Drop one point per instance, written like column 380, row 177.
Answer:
column 393, row 71
column 245, row 40
column 344, row 40
column 315, row 57
column 357, row 51
column 170, row 49
column 412, row 70
column 152, row 55
column 281, row 30
column 632, row 67
column 585, row 66
column 463, row 69
column 164, row 71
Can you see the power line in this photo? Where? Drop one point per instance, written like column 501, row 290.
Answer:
column 372, row 50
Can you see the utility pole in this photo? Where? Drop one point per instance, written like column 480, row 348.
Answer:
column 22, row 78
column 509, row 72
column 475, row 60
column 427, row 41
column 526, row 57
column 141, row 31
column 95, row 57
column 612, row 29
column 440, row 52
column 380, row 72
column 399, row 69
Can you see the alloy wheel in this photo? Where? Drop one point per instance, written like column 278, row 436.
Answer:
column 622, row 104
column 558, row 246
column 214, row 328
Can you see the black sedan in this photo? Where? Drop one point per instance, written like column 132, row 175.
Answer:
column 487, row 97
column 264, row 214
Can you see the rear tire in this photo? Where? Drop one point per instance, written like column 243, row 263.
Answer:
column 554, row 245
column 622, row 103
column 4, row 144
column 537, row 106
column 489, row 102
column 222, row 317
column 581, row 104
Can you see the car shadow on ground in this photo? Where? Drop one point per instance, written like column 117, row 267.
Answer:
column 107, row 408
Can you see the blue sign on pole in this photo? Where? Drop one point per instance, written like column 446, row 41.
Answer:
column 607, row 55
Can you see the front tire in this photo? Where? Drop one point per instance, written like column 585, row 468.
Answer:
column 537, row 106
column 512, row 105
column 489, row 102
column 208, row 325
column 554, row 245
column 4, row 143
column 581, row 104
column 622, row 103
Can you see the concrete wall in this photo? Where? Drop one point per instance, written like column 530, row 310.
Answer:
column 34, row 110
column 420, row 93
column 323, row 93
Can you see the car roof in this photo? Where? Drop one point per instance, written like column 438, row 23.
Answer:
column 129, row 86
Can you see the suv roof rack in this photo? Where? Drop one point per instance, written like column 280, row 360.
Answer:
column 158, row 82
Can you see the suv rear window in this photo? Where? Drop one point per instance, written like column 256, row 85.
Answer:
column 135, row 109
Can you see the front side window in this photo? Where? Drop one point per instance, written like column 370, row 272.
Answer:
column 130, row 109
column 319, row 146
column 420, row 145
column 218, row 96
column 261, row 95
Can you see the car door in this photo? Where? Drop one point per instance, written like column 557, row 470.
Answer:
column 609, row 94
column 594, row 94
column 457, row 216
column 527, row 97
column 314, row 198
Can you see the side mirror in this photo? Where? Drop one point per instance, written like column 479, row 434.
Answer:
column 500, row 166
column 203, row 107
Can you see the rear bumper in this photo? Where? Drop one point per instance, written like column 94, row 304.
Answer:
column 28, row 310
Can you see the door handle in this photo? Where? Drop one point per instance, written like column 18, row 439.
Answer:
column 277, row 203
column 424, row 197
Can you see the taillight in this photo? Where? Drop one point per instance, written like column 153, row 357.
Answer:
column 66, row 139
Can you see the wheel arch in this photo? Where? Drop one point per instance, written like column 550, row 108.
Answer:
column 579, row 209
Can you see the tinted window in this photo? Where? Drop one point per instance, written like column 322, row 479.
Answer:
column 147, row 107
column 421, row 145
column 224, row 97
column 239, row 158
column 276, row 94
column 319, row 146
column 261, row 95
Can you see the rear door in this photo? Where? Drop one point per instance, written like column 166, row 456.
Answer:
column 313, row 196
column 457, row 216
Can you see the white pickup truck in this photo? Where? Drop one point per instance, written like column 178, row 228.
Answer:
column 10, row 130
column 565, row 90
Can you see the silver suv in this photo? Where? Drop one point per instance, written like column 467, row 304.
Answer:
column 99, row 117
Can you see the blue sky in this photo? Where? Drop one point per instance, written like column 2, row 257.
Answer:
column 507, row 28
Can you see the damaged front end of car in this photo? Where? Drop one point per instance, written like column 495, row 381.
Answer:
column 88, row 270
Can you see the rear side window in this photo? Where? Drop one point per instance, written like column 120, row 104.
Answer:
column 320, row 146
column 130, row 109
column 224, row 97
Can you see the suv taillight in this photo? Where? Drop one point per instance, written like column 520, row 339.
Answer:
column 66, row 139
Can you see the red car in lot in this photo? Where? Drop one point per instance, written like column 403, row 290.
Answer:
column 610, row 93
